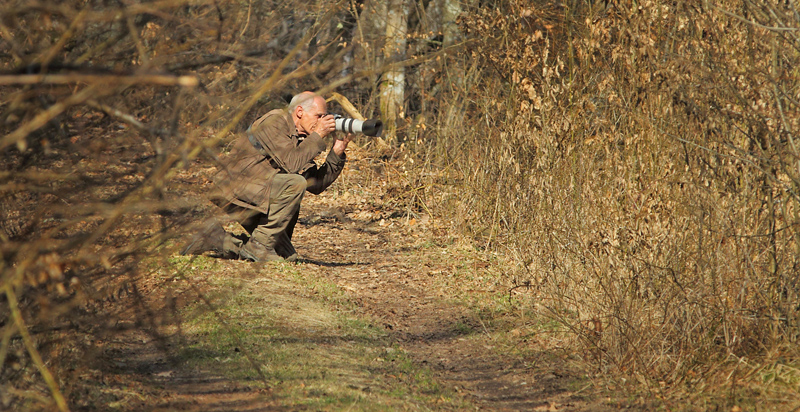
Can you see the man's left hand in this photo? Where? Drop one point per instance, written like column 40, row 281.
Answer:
column 339, row 145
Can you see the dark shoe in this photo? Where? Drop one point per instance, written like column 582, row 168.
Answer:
column 210, row 239
column 284, row 248
column 255, row 251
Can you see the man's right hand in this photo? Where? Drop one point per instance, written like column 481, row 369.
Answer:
column 325, row 125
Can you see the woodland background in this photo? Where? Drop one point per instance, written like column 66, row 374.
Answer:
column 636, row 163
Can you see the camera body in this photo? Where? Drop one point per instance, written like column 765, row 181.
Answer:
column 371, row 127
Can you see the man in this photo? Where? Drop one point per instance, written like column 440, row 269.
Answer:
column 265, row 176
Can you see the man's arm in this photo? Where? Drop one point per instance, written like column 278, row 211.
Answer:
column 275, row 135
column 319, row 178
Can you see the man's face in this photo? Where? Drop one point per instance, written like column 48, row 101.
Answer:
column 308, row 119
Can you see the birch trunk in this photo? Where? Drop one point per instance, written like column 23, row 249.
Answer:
column 393, row 81
column 450, row 11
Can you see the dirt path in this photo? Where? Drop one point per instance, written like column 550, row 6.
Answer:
column 390, row 268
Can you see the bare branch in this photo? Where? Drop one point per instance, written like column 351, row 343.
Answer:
column 110, row 79
column 127, row 118
column 744, row 20
column 18, row 136
column 34, row 353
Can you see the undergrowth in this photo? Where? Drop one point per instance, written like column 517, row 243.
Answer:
column 636, row 165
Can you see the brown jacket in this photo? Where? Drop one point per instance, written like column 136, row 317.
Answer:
column 271, row 146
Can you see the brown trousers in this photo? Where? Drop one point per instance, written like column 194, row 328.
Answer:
column 272, row 230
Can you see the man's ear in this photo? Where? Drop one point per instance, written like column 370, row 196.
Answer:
column 298, row 112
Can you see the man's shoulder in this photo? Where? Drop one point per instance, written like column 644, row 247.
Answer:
column 277, row 115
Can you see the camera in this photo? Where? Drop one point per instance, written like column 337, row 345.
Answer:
column 371, row 127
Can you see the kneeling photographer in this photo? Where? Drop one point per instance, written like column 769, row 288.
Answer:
column 263, row 179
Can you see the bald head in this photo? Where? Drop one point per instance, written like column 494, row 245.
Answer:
column 306, row 100
column 306, row 109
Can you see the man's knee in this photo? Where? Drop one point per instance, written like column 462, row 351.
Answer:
column 295, row 185
column 287, row 190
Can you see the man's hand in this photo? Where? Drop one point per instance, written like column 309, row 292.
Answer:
column 339, row 145
column 325, row 125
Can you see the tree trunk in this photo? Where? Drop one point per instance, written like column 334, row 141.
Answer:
column 450, row 11
column 393, row 82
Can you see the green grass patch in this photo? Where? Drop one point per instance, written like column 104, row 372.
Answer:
column 289, row 329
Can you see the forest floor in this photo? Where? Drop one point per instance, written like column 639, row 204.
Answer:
column 386, row 310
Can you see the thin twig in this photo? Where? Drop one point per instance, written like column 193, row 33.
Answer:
column 247, row 23
column 125, row 117
column 29, row 345
column 744, row 20
column 18, row 136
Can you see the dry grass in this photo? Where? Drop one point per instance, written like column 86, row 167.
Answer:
column 637, row 165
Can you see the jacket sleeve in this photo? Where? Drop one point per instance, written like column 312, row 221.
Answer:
column 319, row 178
column 275, row 137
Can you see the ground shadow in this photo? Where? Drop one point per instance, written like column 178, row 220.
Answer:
column 331, row 264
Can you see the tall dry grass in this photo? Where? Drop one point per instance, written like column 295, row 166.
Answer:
column 638, row 162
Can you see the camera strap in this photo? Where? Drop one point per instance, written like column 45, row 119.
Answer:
column 256, row 144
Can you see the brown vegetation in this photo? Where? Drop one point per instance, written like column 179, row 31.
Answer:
column 643, row 177
column 632, row 166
